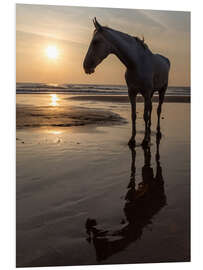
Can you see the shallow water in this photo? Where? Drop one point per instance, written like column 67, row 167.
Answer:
column 66, row 175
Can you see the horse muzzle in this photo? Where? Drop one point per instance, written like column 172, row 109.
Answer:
column 89, row 70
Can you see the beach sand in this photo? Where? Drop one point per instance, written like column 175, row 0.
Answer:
column 74, row 164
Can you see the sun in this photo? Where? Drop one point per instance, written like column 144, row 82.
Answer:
column 52, row 52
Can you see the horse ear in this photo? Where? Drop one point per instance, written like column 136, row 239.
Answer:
column 94, row 22
column 97, row 25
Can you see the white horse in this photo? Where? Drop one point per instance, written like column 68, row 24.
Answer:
column 145, row 72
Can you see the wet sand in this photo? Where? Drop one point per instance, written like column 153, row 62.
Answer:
column 83, row 197
column 63, row 116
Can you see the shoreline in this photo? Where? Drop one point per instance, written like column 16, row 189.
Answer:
column 111, row 97
column 125, row 99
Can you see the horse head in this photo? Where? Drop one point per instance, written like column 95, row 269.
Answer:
column 98, row 50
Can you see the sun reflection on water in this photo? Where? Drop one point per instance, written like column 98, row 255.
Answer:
column 54, row 131
column 54, row 100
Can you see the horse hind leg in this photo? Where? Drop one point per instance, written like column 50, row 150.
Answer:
column 132, row 98
column 159, row 108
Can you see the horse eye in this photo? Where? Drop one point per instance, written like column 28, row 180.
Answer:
column 95, row 42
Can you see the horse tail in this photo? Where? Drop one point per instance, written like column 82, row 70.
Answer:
column 168, row 61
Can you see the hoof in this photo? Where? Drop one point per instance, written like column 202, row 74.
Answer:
column 131, row 143
column 145, row 143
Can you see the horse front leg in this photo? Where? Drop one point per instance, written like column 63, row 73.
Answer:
column 147, row 119
column 132, row 98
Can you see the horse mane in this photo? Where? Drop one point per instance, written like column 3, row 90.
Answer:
column 142, row 42
column 139, row 40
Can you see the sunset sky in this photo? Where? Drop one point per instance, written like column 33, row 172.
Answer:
column 51, row 42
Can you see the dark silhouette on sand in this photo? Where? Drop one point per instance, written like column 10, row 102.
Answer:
column 141, row 205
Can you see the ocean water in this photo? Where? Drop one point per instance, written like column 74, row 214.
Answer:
column 89, row 89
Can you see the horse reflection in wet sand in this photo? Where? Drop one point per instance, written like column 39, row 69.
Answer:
column 141, row 205
column 145, row 72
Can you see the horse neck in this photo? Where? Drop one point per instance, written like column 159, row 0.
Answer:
column 124, row 46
